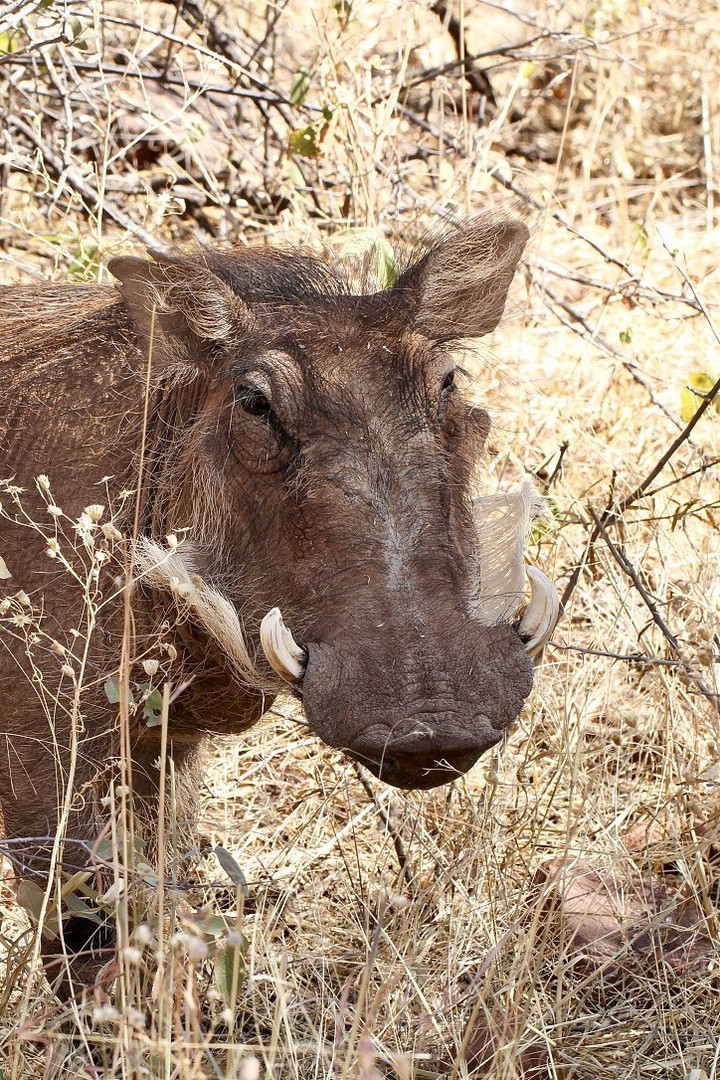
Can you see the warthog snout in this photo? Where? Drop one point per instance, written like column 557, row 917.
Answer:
column 414, row 709
column 421, row 754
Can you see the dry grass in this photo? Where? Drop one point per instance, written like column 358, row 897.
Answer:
column 423, row 935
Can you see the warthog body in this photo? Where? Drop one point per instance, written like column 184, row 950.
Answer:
column 302, row 447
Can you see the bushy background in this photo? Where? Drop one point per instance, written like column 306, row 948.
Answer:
column 554, row 913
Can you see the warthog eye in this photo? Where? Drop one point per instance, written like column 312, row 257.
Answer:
column 447, row 388
column 253, row 401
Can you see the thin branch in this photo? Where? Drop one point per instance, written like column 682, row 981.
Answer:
column 627, row 567
column 592, row 335
column 387, row 822
column 267, row 96
column 76, row 181
column 622, row 288
column 629, row 658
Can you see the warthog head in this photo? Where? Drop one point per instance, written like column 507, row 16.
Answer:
column 324, row 472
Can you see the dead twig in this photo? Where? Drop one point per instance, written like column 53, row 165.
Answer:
column 591, row 334
column 627, row 567
column 94, row 203
column 388, row 822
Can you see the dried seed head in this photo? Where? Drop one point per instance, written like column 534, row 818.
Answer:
column 4, row 606
column 22, row 598
column 110, row 531
column 95, row 511
column 150, row 667
column 142, row 934
column 706, row 655
column 103, row 1014
column 53, row 548
column 181, row 588
column 43, row 482
column 66, row 669
column 172, row 541
column 249, row 1066
column 57, row 648
column 135, row 1017
column 194, row 946
column 54, row 510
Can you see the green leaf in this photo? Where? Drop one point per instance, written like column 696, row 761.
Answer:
column 230, row 970
column 231, row 868
column 358, row 243
column 11, row 41
column 32, row 897
column 112, row 691
column 698, row 385
column 85, row 262
column 626, row 335
column 218, row 925
column 79, row 907
column 152, row 709
column 299, row 86
column 304, row 142
column 642, row 236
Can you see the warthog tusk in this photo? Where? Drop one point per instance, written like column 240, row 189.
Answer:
column 283, row 653
column 539, row 620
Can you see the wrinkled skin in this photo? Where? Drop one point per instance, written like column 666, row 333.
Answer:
column 312, row 450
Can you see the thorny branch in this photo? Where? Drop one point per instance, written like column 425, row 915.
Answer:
column 627, row 567
column 388, row 822
column 75, row 179
column 591, row 335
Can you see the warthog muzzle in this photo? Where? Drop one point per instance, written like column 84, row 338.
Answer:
column 416, row 710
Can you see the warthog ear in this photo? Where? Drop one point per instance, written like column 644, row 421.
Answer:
column 178, row 306
column 461, row 285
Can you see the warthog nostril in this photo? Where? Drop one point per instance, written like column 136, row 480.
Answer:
column 423, row 756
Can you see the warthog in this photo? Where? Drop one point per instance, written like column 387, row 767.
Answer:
column 279, row 468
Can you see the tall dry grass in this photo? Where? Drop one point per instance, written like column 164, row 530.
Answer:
column 554, row 913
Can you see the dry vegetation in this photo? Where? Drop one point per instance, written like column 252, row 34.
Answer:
column 555, row 913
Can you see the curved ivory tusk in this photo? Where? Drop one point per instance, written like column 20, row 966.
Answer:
column 283, row 653
column 539, row 620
